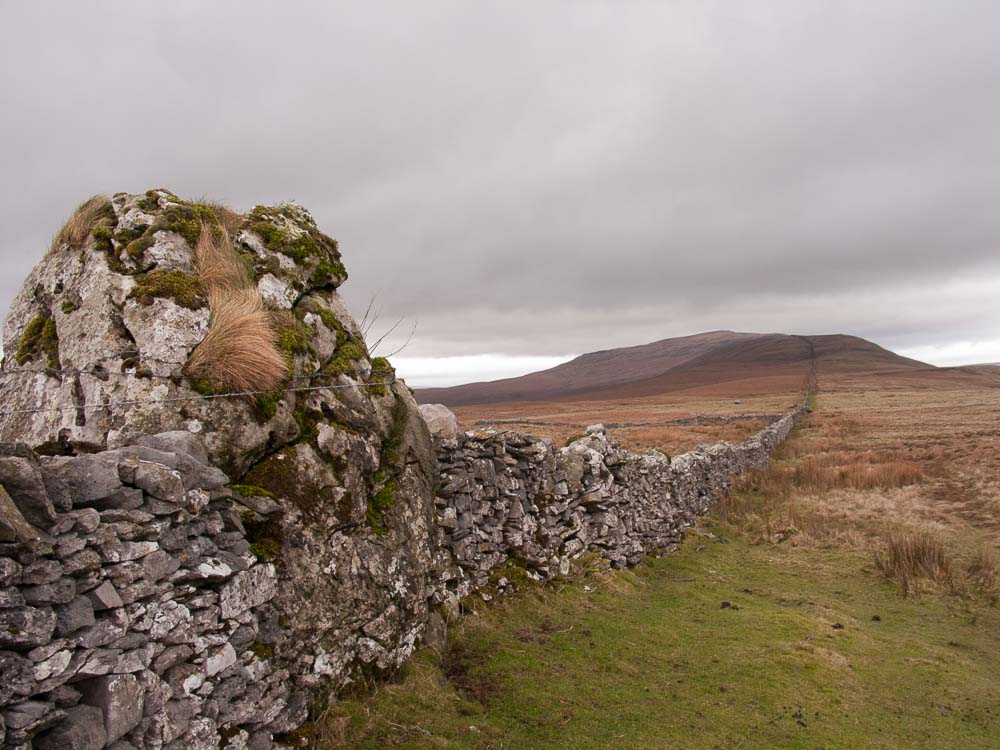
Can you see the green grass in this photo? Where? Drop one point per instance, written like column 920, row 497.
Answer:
column 650, row 658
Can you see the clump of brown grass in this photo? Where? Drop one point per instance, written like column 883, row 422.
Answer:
column 89, row 215
column 983, row 573
column 218, row 265
column 240, row 351
column 230, row 220
column 912, row 556
column 861, row 475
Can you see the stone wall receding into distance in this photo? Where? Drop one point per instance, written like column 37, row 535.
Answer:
column 182, row 568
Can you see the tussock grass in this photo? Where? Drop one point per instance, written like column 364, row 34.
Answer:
column 228, row 218
column 219, row 267
column 982, row 572
column 89, row 215
column 240, row 351
column 909, row 557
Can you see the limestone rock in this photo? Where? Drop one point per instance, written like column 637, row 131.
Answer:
column 13, row 526
column 441, row 421
column 120, row 700
column 82, row 729
column 23, row 481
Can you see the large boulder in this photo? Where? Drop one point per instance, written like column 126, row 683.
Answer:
column 98, row 355
column 441, row 420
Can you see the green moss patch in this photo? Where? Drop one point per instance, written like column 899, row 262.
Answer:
column 249, row 490
column 379, row 504
column 39, row 337
column 345, row 358
column 312, row 247
column 183, row 288
column 265, row 550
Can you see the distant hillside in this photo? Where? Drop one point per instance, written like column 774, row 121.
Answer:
column 680, row 363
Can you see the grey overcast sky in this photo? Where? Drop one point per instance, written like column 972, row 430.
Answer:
column 530, row 180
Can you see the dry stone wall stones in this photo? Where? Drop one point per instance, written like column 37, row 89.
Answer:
column 248, row 589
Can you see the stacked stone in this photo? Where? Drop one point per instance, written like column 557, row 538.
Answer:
column 507, row 497
column 132, row 612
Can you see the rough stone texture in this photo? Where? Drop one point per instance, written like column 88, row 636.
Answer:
column 136, row 582
column 507, row 499
column 441, row 421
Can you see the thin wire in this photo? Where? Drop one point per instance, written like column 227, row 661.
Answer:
column 173, row 399
column 101, row 374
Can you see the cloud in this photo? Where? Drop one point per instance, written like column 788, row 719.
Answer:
column 544, row 179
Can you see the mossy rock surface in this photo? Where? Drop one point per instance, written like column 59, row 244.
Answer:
column 39, row 337
column 183, row 288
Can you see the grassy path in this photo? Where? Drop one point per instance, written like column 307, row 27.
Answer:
column 813, row 650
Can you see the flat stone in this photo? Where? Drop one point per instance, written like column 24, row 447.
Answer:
column 75, row 481
column 27, row 715
column 160, row 481
column 65, row 696
column 22, row 479
column 176, row 441
column 60, row 592
column 101, row 633
column 99, row 662
column 220, row 660
column 77, row 614
column 105, row 596
column 13, row 525
column 159, row 564
column 248, row 589
column 124, row 498
column 81, row 729
column 16, row 676
column 125, row 551
column 26, row 627
column 10, row 597
column 120, row 699
column 43, row 571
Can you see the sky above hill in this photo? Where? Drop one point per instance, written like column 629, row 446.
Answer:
column 526, row 181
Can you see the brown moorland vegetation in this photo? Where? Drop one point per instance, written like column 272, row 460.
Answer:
column 88, row 216
column 905, row 467
column 240, row 351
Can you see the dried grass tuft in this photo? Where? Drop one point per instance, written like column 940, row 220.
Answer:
column 89, row 215
column 231, row 220
column 218, row 265
column 240, row 351
column 983, row 573
column 912, row 556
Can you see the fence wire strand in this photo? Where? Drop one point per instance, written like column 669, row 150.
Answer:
column 173, row 399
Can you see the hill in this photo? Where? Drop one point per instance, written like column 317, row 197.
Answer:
column 680, row 363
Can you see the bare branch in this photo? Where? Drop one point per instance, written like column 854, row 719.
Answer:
column 406, row 343
column 368, row 310
column 381, row 338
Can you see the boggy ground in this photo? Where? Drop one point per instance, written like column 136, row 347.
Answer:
column 780, row 623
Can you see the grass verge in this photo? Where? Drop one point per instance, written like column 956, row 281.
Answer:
column 726, row 644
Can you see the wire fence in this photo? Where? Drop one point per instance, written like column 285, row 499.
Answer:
column 131, row 372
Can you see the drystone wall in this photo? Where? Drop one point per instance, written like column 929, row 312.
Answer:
column 133, row 610
column 187, row 568
column 511, row 503
column 141, row 608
